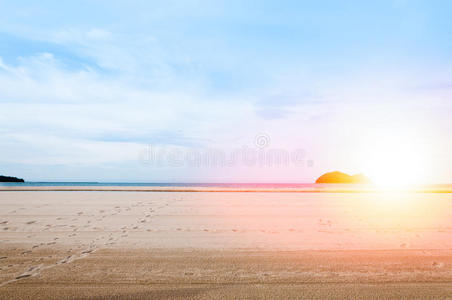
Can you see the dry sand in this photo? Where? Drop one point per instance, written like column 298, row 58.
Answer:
column 132, row 245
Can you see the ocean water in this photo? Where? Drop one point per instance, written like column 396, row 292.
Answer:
column 156, row 184
column 249, row 187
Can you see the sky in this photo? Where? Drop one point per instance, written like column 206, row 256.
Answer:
column 225, row 91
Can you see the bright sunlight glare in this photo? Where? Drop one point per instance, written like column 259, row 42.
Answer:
column 396, row 162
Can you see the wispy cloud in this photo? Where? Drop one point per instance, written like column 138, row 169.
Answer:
column 280, row 105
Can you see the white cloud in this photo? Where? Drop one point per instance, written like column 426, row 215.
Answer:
column 86, row 116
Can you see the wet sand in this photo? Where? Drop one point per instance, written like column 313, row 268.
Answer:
column 132, row 245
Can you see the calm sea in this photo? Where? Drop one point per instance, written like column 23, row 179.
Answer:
column 302, row 187
column 152, row 184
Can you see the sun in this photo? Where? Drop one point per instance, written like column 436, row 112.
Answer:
column 396, row 162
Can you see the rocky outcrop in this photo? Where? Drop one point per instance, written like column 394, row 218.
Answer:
column 339, row 177
column 10, row 179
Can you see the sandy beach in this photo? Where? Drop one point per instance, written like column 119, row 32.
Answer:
column 178, row 244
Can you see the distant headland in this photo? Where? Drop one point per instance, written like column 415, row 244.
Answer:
column 339, row 177
column 10, row 179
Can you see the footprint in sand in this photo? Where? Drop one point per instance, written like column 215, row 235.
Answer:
column 32, row 268
column 65, row 260
column 437, row 264
column 3, row 222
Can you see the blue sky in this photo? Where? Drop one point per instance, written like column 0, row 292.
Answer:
column 87, row 86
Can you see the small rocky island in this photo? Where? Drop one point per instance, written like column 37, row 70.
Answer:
column 339, row 177
column 10, row 179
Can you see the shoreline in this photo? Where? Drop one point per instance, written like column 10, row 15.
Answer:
column 164, row 189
